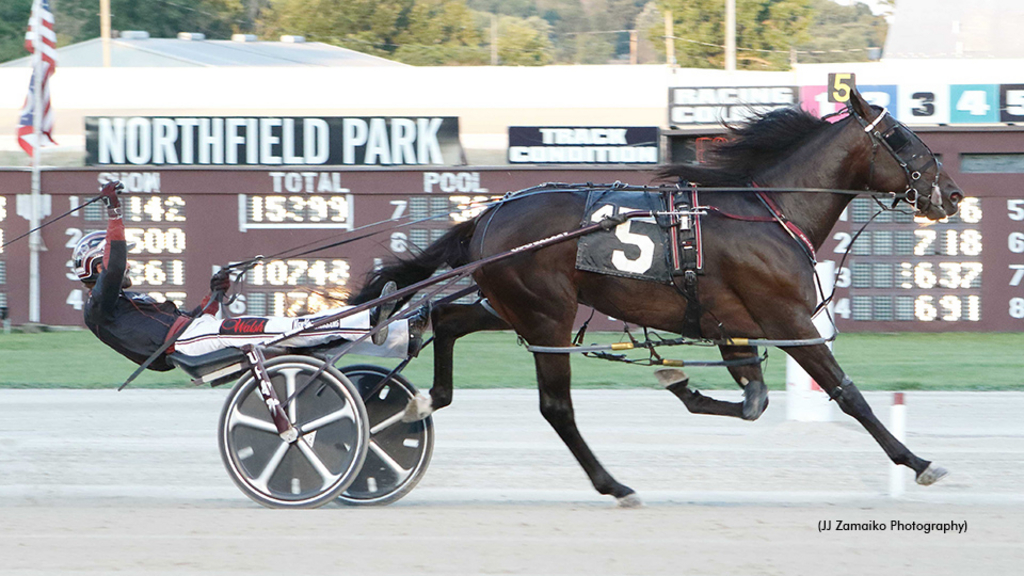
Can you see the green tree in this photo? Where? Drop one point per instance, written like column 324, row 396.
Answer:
column 419, row 32
column 766, row 30
column 13, row 23
column 524, row 41
column 842, row 33
column 441, row 32
column 161, row 18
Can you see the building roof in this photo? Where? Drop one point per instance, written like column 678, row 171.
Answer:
column 956, row 29
column 163, row 52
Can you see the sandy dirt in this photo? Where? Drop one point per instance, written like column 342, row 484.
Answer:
column 99, row 482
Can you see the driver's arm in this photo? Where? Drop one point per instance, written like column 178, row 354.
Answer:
column 115, row 261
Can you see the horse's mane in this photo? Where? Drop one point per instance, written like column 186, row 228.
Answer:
column 759, row 142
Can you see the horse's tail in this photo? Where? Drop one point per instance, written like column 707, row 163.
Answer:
column 451, row 249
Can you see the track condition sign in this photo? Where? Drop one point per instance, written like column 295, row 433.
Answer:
column 270, row 141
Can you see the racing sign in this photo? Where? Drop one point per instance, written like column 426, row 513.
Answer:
column 714, row 105
column 914, row 103
column 325, row 141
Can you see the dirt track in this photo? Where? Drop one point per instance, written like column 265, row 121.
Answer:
column 95, row 481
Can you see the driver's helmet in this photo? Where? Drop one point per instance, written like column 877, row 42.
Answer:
column 87, row 255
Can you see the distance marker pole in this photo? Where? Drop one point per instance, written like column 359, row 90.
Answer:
column 898, row 427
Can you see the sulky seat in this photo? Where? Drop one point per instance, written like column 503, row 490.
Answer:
column 213, row 368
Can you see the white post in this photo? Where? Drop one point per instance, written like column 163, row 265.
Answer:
column 730, row 35
column 805, row 400
column 670, row 41
column 35, row 239
column 898, row 427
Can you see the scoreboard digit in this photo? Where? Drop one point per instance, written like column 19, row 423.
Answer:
column 155, row 232
column 1015, row 244
column 910, row 269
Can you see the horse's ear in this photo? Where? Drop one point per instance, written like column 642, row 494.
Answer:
column 859, row 105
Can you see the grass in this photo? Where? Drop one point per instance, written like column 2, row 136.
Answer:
column 905, row 361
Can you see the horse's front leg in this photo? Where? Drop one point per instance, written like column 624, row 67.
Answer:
column 749, row 377
column 822, row 366
column 450, row 322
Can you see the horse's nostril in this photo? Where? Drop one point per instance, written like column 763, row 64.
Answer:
column 956, row 197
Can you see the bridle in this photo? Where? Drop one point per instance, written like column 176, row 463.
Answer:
column 910, row 153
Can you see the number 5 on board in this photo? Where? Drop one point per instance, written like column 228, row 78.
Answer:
column 840, row 85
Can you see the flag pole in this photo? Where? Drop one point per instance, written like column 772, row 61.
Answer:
column 35, row 239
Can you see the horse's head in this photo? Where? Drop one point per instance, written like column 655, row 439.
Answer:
column 901, row 162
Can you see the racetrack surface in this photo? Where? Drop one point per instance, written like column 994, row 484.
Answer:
column 99, row 482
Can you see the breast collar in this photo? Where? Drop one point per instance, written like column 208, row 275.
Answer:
column 788, row 225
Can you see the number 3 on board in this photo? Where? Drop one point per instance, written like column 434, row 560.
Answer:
column 840, row 85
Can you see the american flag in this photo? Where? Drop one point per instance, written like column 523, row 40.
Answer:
column 40, row 36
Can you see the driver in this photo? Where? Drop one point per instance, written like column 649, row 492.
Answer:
column 136, row 325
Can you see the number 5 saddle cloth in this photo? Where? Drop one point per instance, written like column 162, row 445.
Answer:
column 655, row 249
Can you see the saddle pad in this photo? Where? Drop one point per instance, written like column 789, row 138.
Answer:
column 634, row 249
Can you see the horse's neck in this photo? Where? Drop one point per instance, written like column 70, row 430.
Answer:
column 836, row 159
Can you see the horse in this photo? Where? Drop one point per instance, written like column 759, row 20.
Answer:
column 758, row 280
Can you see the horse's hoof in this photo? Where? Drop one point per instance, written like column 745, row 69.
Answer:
column 671, row 376
column 418, row 408
column 630, row 501
column 931, row 475
column 755, row 400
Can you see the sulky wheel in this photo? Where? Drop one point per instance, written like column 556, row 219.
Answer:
column 322, row 462
column 399, row 451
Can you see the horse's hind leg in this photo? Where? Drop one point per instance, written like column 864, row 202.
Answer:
column 822, row 366
column 677, row 382
column 749, row 377
column 450, row 322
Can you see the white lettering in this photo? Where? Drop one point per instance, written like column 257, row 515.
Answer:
column 288, row 142
column 403, row 135
column 309, row 178
column 453, row 182
column 139, row 141
column 252, row 148
column 185, row 128
column 429, row 179
column 211, row 141
column 377, row 145
column 583, row 154
column 277, row 176
column 232, row 139
column 316, row 140
column 267, row 140
column 428, row 150
column 354, row 134
column 146, row 182
column 111, row 140
column 165, row 133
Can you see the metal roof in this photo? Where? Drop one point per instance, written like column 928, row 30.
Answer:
column 162, row 52
column 956, row 29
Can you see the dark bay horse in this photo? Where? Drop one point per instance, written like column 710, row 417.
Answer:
column 758, row 280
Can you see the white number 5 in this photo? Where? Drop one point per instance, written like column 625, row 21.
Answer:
column 638, row 265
